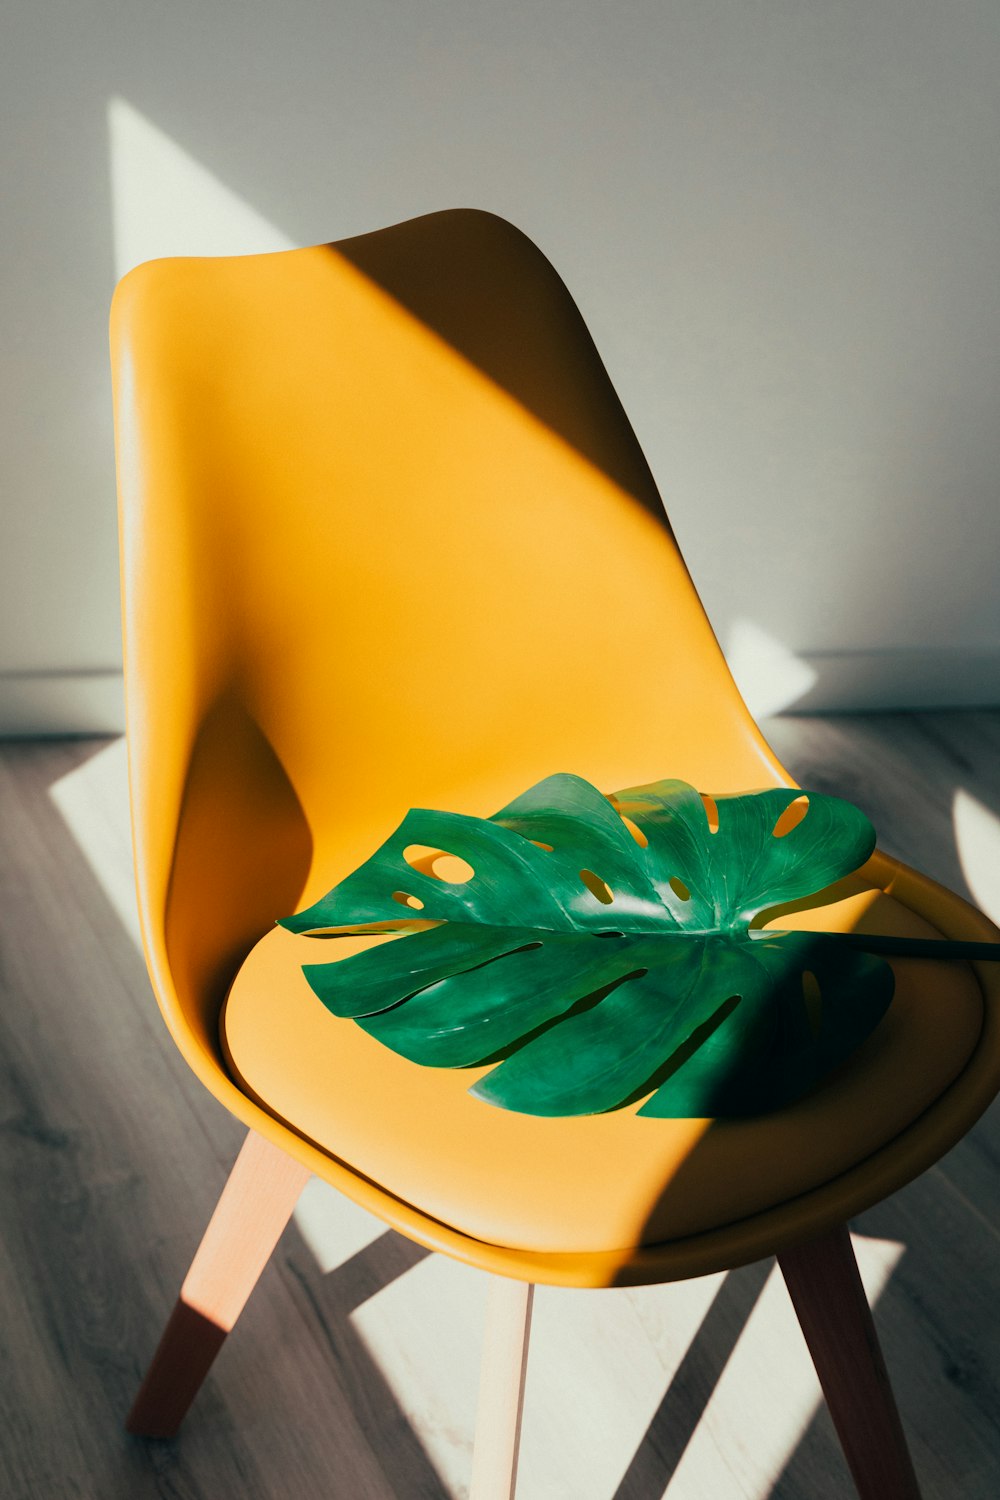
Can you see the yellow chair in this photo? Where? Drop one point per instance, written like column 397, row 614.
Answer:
column 388, row 540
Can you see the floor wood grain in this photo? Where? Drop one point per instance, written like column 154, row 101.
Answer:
column 352, row 1374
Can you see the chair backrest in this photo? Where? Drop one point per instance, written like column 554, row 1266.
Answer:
column 388, row 540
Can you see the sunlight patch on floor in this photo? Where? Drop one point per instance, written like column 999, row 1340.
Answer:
column 332, row 1226
column 93, row 801
column 977, row 838
column 599, row 1365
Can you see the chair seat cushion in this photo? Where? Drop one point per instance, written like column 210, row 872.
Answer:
column 592, row 1183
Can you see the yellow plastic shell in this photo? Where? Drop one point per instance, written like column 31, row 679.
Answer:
column 388, row 540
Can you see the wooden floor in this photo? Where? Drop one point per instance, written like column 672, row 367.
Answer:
column 352, row 1374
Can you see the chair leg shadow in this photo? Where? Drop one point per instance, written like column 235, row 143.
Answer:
column 677, row 1417
column 331, row 1300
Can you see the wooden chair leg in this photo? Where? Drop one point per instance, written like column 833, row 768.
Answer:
column 826, row 1291
column 501, row 1389
column 255, row 1206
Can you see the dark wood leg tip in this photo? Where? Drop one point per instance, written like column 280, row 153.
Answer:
column 826, row 1291
column 183, row 1358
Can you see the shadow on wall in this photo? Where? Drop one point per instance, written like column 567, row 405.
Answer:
column 152, row 177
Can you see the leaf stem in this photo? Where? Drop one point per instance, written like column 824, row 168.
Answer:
column 900, row 947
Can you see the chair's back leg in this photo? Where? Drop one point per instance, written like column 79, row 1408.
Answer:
column 255, row 1206
column 825, row 1287
column 501, row 1390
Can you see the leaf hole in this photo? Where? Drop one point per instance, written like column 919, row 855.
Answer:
column 812, row 999
column 609, row 933
column 438, row 863
column 597, row 887
column 405, row 899
column 453, row 869
column 679, row 889
column 635, row 831
column 711, row 811
column 791, row 817
column 539, row 845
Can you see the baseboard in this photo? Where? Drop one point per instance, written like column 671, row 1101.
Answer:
column 68, row 703
column 883, row 680
column 60, row 703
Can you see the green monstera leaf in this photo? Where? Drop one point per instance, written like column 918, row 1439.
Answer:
column 597, row 949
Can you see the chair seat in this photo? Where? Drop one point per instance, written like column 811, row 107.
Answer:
column 594, row 1183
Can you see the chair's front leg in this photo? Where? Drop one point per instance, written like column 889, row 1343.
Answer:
column 255, row 1206
column 501, row 1389
column 825, row 1287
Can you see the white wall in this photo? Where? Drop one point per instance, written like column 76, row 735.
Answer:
column 781, row 220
